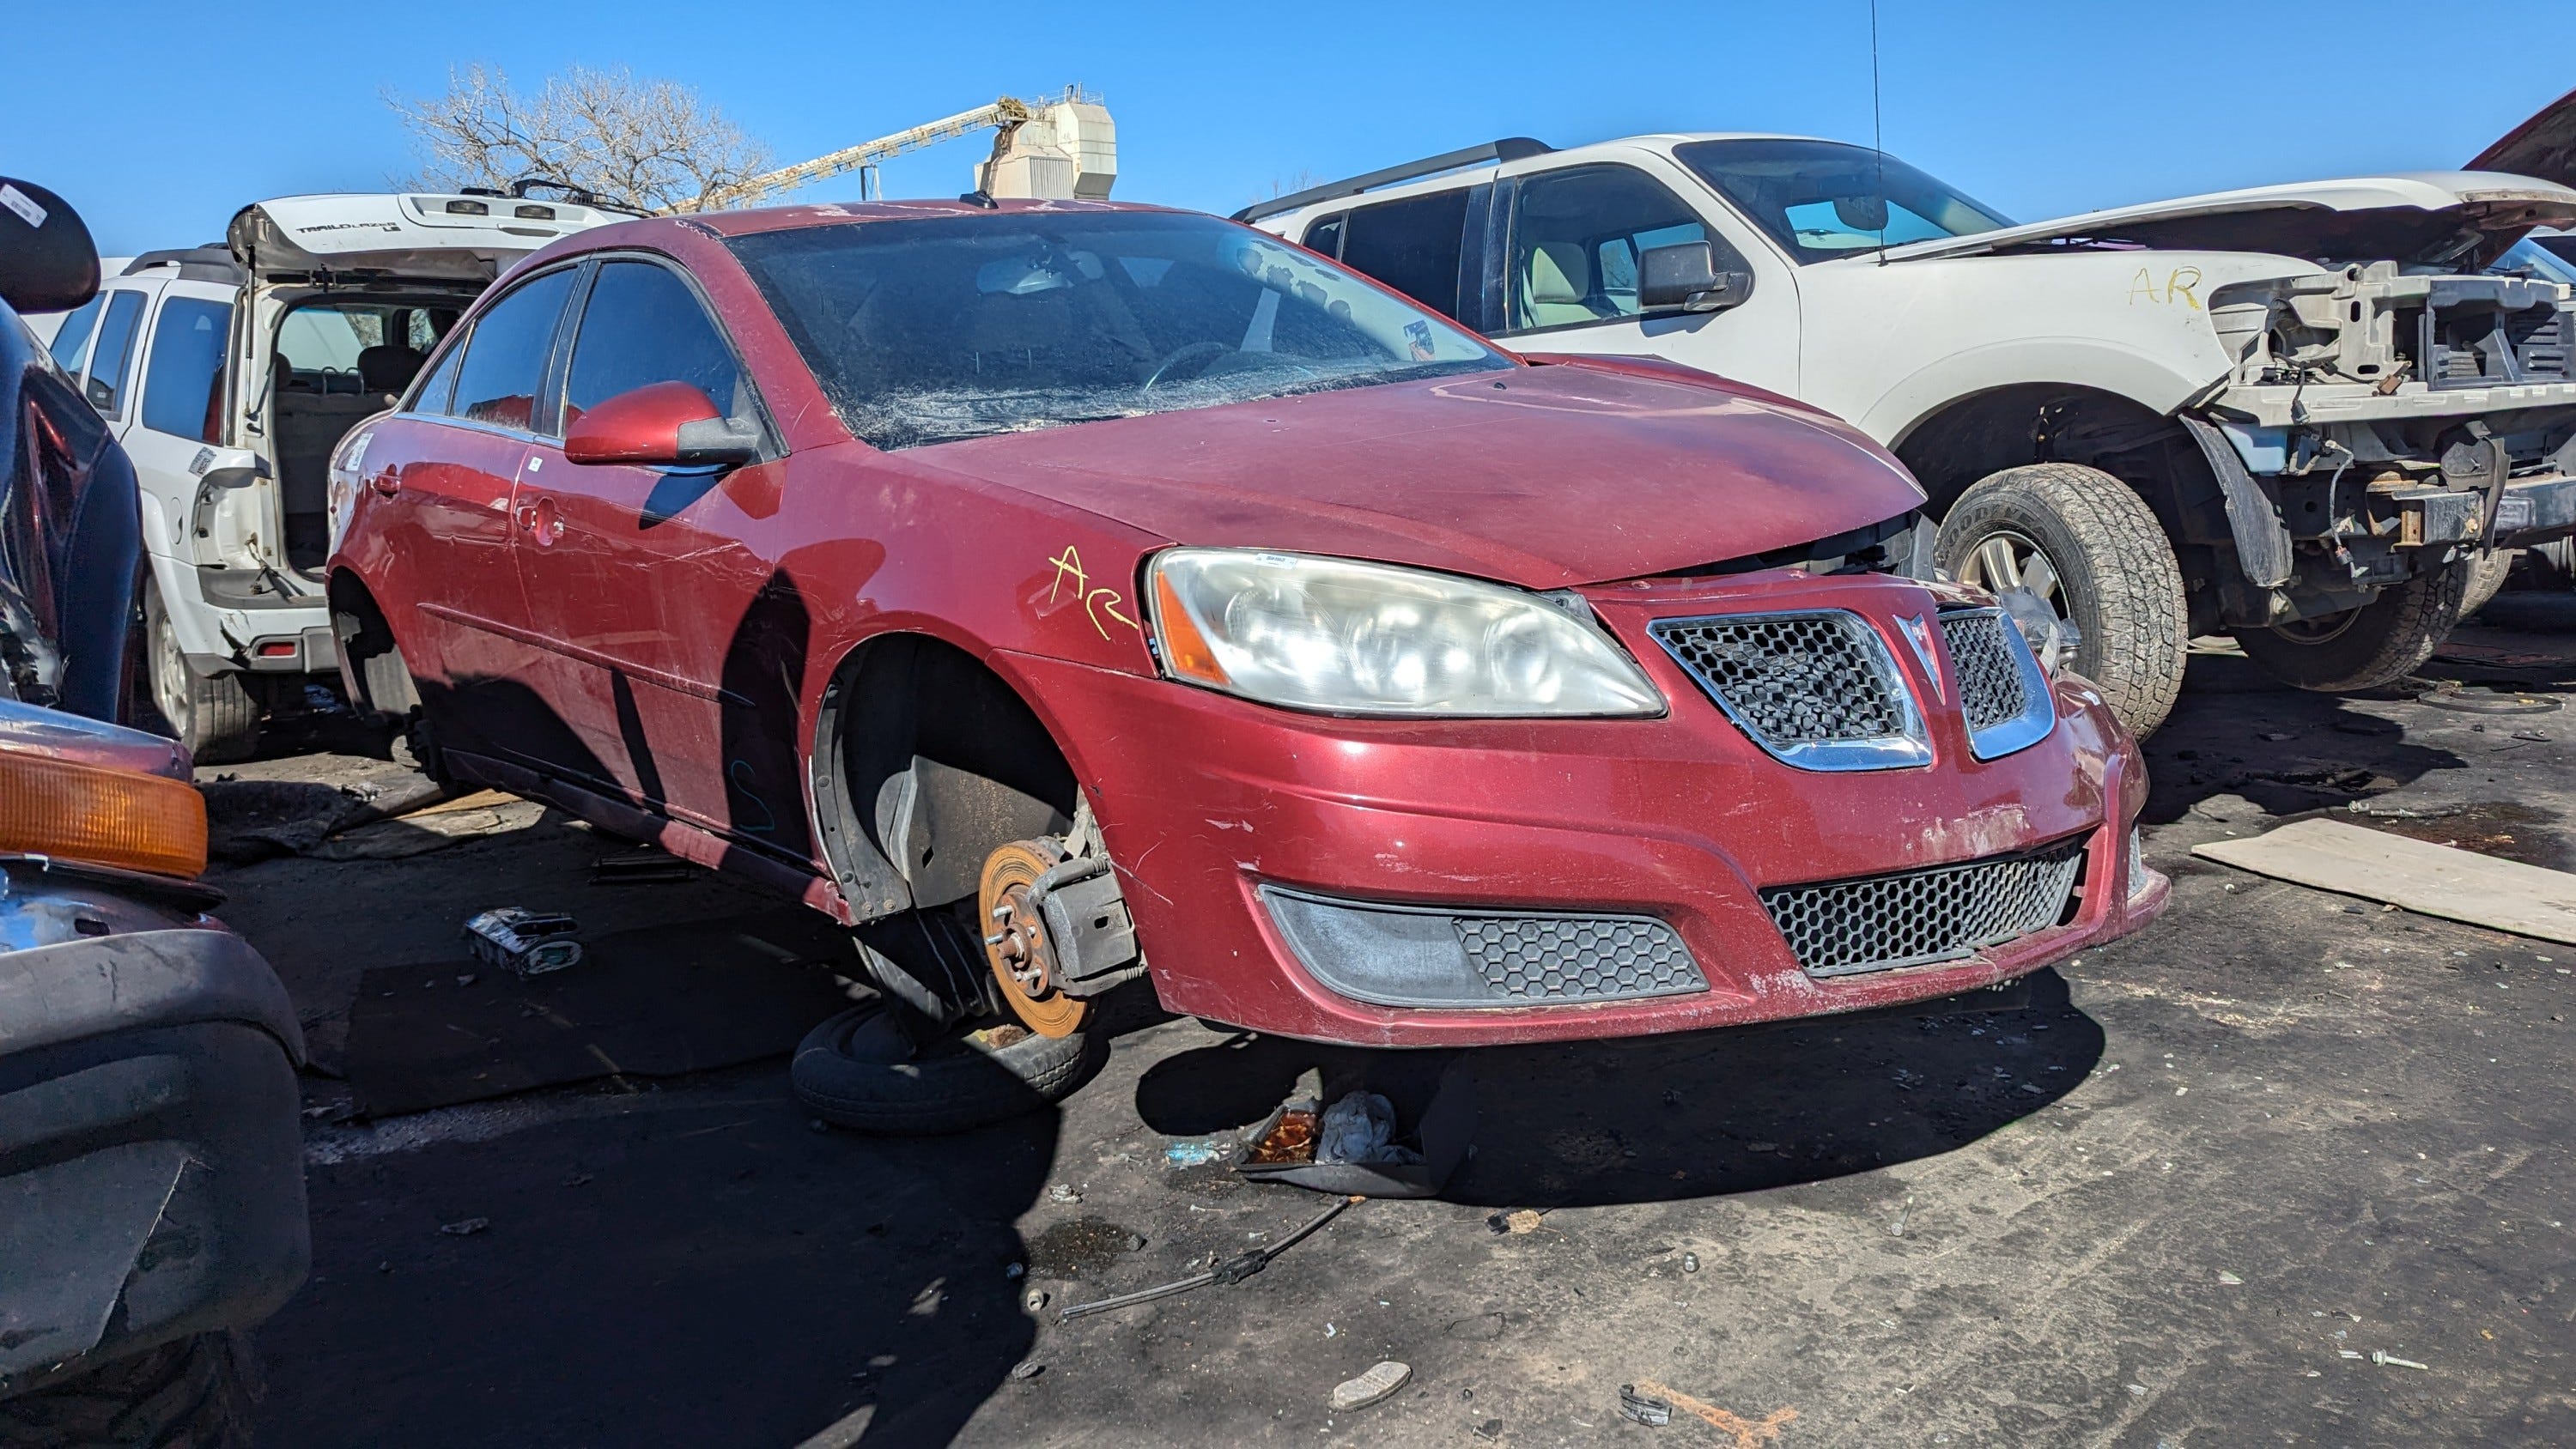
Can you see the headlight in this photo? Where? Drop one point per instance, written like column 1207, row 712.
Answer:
column 1361, row 638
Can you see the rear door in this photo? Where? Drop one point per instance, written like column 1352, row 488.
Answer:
column 636, row 576
column 178, row 411
column 434, row 524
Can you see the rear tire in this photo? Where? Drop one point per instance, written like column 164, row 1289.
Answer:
column 196, row 1393
column 215, row 716
column 2114, row 573
column 2487, row 573
column 2379, row 643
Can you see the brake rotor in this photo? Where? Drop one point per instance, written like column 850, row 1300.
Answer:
column 1015, row 939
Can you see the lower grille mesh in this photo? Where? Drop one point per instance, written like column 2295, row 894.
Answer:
column 1881, row 922
column 1549, row 958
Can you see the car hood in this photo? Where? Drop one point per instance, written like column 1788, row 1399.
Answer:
column 2461, row 219
column 2544, row 146
column 1545, row 477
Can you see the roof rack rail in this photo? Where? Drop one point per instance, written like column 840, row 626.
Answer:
column 210, row 263
column 1510, row 148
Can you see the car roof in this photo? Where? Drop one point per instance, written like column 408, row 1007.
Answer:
column 834, row 213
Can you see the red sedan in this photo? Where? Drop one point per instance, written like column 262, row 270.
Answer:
column 1069, row 594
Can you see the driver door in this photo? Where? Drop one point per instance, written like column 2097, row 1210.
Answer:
column 638, row 577
column 1570, row 278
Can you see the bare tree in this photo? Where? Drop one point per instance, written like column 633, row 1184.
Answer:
column 653, row 145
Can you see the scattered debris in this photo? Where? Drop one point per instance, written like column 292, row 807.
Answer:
column 2433, row 880
column 1381, row 1380
column 1063, row 1192
column 1232, row 1270
column 465, row 1227
column 1193, row 1151
column 1690, row 1262
column 1027, row 1369
column 1643, row 1409
column 1360, row 1128
column 1035, row 1300
column 2390, row 1360
column 1749, row 1433
column 530, row 943
column 1515, row 1220
column 2229, row 1279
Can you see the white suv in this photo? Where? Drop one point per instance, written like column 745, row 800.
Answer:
column 230, row 374
column 2297, row 413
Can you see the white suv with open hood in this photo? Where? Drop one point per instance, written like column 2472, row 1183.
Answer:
column 230, row 374
column 2296, row 413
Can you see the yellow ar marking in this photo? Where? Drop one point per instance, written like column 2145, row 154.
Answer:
column 1095, row 602
column 2181, row 282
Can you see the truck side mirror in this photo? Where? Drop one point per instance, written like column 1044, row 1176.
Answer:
column 1684, row 278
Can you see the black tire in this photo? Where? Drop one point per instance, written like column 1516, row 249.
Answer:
column 196, row 1393
column 861, row 1070
column 2379, row 643
column 2116, row 577
column 2487, row 573
column 215, row 716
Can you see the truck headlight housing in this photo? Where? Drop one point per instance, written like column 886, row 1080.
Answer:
column 80, row 813
column 1339, row 636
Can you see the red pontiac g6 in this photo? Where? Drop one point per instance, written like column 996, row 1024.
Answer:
column 1067, row 594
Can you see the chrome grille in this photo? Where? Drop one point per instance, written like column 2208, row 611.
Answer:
column 1555, row 958
column 1990, row 687
column 1916, row 917
column 1817, row 690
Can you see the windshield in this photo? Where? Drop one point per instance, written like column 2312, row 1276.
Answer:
column 2548, row 255
column 1823, row 199
column 945, row 328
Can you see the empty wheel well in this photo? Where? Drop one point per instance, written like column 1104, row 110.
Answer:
column 371, row 662
column 925, row 761
column 2056, row 423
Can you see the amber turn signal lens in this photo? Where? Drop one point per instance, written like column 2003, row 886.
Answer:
column 81, row 813
column 1185, row 649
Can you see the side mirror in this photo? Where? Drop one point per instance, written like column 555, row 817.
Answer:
column 1684, row 278
column 661, row 425
column 47, row 261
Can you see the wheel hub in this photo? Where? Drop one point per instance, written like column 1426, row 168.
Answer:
column 1015, row 939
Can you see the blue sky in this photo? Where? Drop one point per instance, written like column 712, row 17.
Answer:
column 157, row 127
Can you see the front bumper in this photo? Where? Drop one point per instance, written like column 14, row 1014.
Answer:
column 1216, row 809
column 151, row 1152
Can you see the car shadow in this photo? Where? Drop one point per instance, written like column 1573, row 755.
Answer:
column 690, row 1267
column 1698, row 1115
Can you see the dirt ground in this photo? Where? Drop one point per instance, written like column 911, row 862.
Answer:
column 2286, row 1168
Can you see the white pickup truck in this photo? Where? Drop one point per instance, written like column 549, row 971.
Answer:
column 2306, row 414
column 230, row 373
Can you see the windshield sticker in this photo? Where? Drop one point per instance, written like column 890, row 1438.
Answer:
column 1097, row 603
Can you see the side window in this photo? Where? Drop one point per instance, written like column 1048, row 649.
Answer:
column 1576, row 237
column 434, row 394
column 71, row 340
column 1326, row 235
column 505, row 359
column 183, row 383
column 1411, row 245
column 113, row 353
column 643, row 325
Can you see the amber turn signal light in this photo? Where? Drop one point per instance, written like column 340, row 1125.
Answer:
column 1185, row 649
column 80, row 813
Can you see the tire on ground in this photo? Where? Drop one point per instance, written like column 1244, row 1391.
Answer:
column 2381, row 642
column 861, row 1070
column 2116, row 572
column 2487, row 574
column 215, row 716
column 196, row 1393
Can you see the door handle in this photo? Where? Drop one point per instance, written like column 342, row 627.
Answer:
column 541, row 522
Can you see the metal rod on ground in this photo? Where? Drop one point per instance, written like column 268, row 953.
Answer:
column 1232, row 1270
